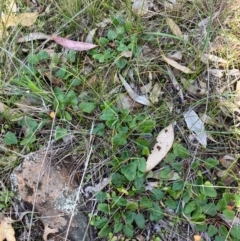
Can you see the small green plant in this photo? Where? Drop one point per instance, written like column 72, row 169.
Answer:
column 5, row 199
column 117, row 46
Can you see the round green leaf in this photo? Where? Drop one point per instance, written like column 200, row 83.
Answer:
column 10, row 139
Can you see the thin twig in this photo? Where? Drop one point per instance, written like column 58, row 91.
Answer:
column 81, row 183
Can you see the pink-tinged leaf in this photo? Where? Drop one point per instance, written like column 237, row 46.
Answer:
column 75, row 45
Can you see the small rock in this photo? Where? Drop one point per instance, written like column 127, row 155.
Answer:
column 49, row 190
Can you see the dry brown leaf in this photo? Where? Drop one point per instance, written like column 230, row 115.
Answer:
column 164, row 143
column 174, row 27
column 34, row 36
column 126, row 54
column 138, row 98
column 155, row 93
column 25, row 19
column 146, row 88
column 47, row 231
column 197, row 238
column 11, row 7
column 89, row 38
column 176, row 65
column 6, row 230
column 213, row 58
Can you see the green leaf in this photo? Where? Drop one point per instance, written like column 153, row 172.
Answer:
column 139, row 183
column 119, row 201
column 235, row 232
column 71, row 98
column 99, row 129
column 178, row 185
column 101, row 222
column 129, row 170
column 104, row 231
column 145, row 126
column 208, row 189
column 229, row 214
column 103, row 207
column 189, row 207
column 87, row 107
column 121, row 63
column 42, row 55
column 128, row 230
column 212, row 230
column 156, row 213
column 133, row 206
column 221, row 205
column 171, row 203
column 118, row 179
column 10, row 139
column 210, row 163
column 129, row 216
column 139, row 220
column 111, row 34
column 210, row 209
column 33, row 59
column 30, row 138
column 120, row 139
column 117, row 227
column 142, row 164
column 156, row 194
column 237, row 200
column 180, row 151
column 145, row 202
column 101, row 196
column 60, row 133
column 166, row 173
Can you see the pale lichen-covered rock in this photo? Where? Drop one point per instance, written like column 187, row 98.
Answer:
column 49, row 190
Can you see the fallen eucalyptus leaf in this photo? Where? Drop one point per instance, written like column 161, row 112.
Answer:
column 174, row 27
column 176, row 65
column 213, row 58
column 138, row 98
column 71, row 44
column 164, row 143
column 146, row 88
column 33, row 36
column 196, row 126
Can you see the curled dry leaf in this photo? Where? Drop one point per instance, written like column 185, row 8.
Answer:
column 155, row 93
column 6, row 230
column 71, row 44
column 34, row 36
column 48, row 231
column 146, row 88
column 163, row 144
column 89, row 38
column 213, row 58
column 138, row 98
column 178, row 66
column 140, row 7
column 196, row 126
column 174, row 27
